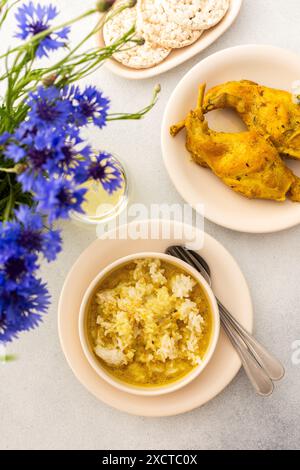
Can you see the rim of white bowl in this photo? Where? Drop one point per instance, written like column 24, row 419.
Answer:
column 159, row 390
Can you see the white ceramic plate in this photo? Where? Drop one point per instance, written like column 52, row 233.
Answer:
column 270, row 66
column 228, row 284
column 177, row 56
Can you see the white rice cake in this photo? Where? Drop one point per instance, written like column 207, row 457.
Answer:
column 196, row 14
column 156, row 26
column 139, row 56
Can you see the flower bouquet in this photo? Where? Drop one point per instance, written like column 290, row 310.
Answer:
column 43, row 158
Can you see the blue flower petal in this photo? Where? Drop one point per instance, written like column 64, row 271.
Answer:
column 34, row 19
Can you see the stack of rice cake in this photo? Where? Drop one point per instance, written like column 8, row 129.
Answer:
column 160, row 26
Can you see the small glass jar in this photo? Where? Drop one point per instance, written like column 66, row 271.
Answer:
column 100, row 206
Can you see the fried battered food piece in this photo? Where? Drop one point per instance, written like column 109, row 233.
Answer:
column 247, row 162
column 294, row 192
column 266, row 110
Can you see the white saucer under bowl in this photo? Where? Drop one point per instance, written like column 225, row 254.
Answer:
column 228, row 284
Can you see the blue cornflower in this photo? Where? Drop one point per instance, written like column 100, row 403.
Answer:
column 52, row 243
column 47, row 109
column 29, row 226
column 25, row 133
column 46, row 151
column 28, row 218
column 59, row 150
column 13, row 247
column 28, row 180
column 14, row 152
column 16, row 271
column 33, row 238
column 17, row 268
column 89, row 105
column 52, row 152
column 22, row 308
column 23, row 237
column 101, row 168
column 56, row 197
column 40, row 157
column 23, row 297
column 4, row 138
column 8, row 240
column 34, row 19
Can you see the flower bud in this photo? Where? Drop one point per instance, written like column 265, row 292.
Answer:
column 157, row 88
column 20, row 168
column 50, row 79
column 104, row 5
column 140, row 41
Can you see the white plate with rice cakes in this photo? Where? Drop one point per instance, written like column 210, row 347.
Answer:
column 178, row 30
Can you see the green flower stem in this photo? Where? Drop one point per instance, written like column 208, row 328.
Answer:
column 10, row 202
column 98, row 54
column 69, row 63
column 13, row 75
column 139, row 114
column 3, row 3
column 3, row 203
column 9, row 170
column 6, row 12
column 69, row 69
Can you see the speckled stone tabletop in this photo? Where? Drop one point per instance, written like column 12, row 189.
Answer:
column 43, row 406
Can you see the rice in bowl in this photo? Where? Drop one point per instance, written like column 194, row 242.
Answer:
column 149, row 323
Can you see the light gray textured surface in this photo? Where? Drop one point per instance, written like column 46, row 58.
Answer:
column 42, row 404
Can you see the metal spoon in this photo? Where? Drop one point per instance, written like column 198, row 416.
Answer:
column 259, row 364
column 271, row 364
column 260, row 380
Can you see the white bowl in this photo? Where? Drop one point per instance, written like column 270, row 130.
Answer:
column 139, row 390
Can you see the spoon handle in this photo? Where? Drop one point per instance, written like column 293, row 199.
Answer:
column 261, row 382
column 271, row 364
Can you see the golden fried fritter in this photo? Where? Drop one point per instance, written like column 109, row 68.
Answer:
column 266, row 110
column 294, row 192
column 247, row 162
